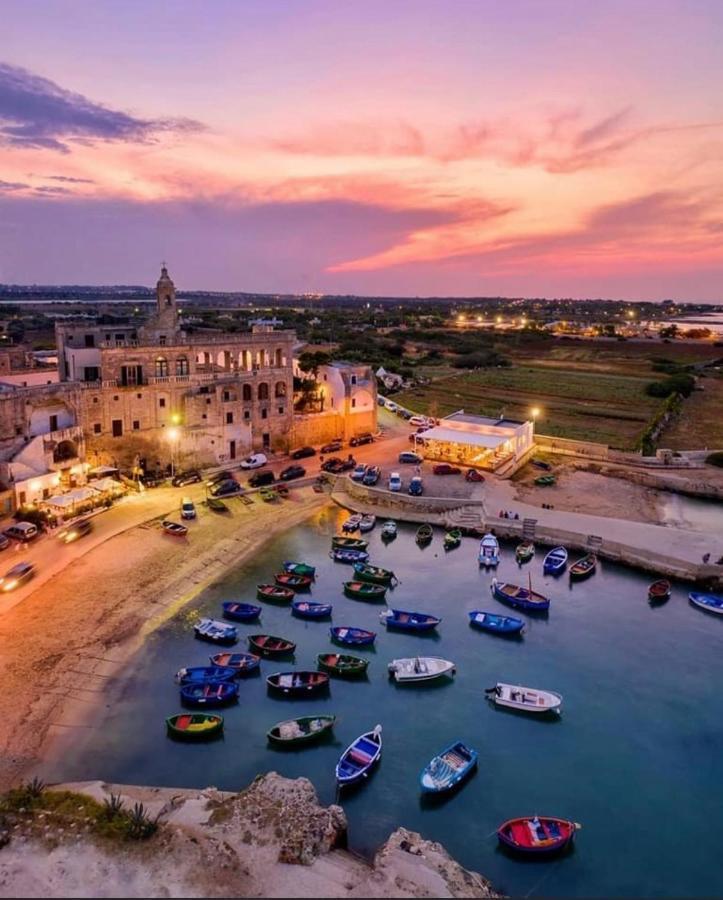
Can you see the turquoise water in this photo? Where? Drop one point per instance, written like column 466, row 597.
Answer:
column 636, row 757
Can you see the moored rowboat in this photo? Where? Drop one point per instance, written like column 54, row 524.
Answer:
column 524, row 698
column 200, row 674
column 240, row 612
column 448, row 768
column 524, row 551
column 555, row 561
column 298, row 683
column 194, row 726
column 352, row 523
column 367, row 523
column 303, row 730
column 712, row 603
column 274, row 592
column 374, row 574
column 362, row 590
column 348, row 543
column 344, row 555
column 209, row 693
column 215, row 631
column 452, row 539
column 659, row 591
column 308, row 609
column 354, row 636
column 269, row 645
column 424, row 534
column 242, row 663
column 299, row 568
column 520, row 597
column 583, row 568
column 342, row 664
column 537, row 835
column 359, row 757
column 174, row 528
column 495, row 624
column 389, row 530
column 409, row 621
column 295, row 582
column 545, row 480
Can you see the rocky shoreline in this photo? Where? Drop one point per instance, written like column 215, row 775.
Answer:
column 272, row 839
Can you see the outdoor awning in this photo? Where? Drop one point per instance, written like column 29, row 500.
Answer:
column 107, row 484
column 64, row 501
column 100, row 471
column 467, row 438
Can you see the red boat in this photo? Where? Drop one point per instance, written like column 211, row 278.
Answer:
column 537, row 835
column 659, row 591
column 295, row 582
column 274, row 592
column 269, row 645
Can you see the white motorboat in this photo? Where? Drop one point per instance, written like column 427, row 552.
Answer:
column 489, row 551
column 420, row 668
column 525, row 699
column 367, row 523
column 352, row 523
column 389, row 530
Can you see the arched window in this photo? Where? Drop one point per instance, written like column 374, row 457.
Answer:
column 247, row 393
column 263, row 391
column 279, row 358
column 161, row 367
column 280, row 390
column 182, row 365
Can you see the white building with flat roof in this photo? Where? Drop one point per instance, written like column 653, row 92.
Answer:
column 478, row 441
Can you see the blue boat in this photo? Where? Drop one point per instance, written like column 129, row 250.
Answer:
column 342, row 555
column 487, row 621
column 555, row 562
column 309, row 609
column 242, row 663
column 201, row 674
column 355, row 636
column 520, row 597
column 409, row 621
column 359, row 757
column 709, row 602
column 216, row 632
column 241, row 612
column 209, row 693
column 448, row 769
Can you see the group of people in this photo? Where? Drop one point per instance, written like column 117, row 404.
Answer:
column 508, row 514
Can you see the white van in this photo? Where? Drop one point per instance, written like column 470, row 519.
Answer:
column 22, row 531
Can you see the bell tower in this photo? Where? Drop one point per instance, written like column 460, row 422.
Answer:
column 167, row 312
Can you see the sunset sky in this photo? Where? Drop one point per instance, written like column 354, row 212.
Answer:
column 465, row 147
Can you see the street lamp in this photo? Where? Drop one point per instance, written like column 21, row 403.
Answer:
column 534, row 412
column 173, row 435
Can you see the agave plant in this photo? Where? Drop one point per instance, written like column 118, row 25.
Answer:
column 140, row 824
column 34, row 789
column 113, row 806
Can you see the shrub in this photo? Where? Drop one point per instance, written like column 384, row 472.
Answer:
column 680, row 383
column 715, row 459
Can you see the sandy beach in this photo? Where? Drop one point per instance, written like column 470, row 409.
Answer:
column 100, row 609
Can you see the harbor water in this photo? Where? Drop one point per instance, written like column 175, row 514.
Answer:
column 636, row 756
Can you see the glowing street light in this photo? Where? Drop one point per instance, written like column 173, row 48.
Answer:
column 498, row 319
column 535, row 412
column 176, row 418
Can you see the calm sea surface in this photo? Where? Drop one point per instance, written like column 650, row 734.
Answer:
column 636, row 757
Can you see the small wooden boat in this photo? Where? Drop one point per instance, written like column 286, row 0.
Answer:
column 545, row 480
column 295, row 684
column 519, row 597
column 242, row 663
column 389, row 530
column 374, row 574
column 342, row 664
column 301, row 731
column 525, row 699
column 240, row 612
column 409, row 621
column 555, row 562
column 200, row 674
column 495, row 624
column 268, row 494
column 215, row 631
column 274, row 592
column 343, row 555
column 367, row 523
column 420, row 668
column 659, row 591
column 537, row 835
column 524, row 551
column 295, row 582
column 452, row 539
column 448, row 768
column 540, row 464
column 359, row 757
column 357, row 637
column 712, row 603
column 489, row 551
column 352, row 523
column 583, row 568
column 216, row 505
column 174, row 528
column 299, row 568
column 424, row 534
column 268, row 645
column 348, row 543
column 363, row 590
column 209, row 693
column 308, row 609
column 194, row 726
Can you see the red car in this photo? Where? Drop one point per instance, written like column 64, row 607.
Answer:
column 446, row 469
column 473, row 475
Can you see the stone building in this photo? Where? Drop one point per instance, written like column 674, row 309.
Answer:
column 346, row 395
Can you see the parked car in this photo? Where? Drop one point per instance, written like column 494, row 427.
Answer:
column 392, row 406
column 4, row 542
column 303, row 452
column 192, row 476
column 405, row 414
column 188, row 510
column 473, row 475
column 332, row 446
column 408, row 456
column 22, row 531
column 366, row 438
column 331, row 465
column 416, row 488
column 225, row 475
column 153, row 479
column 359, row 472
column 395, row 482
column 381, row 401
column 76, row 530
column 372, row 475
column 255, row 461
column 446, row 469
column 226, row 488
column 261, row 478
column 292, row 472
column 418, row 420
column 19, row 574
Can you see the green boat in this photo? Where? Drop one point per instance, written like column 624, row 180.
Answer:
column 545, row 480
column 348, row 543
column 342, row 664
column 300, row 731
column 268, row 495
column 362, row 590
column 374, row 574
column 524, row 551
column 300, row 568
column 424, row 534
column 452, row 539
column 216, row 505
column 194, row 726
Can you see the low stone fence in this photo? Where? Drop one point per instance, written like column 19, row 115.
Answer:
column 401, row 505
